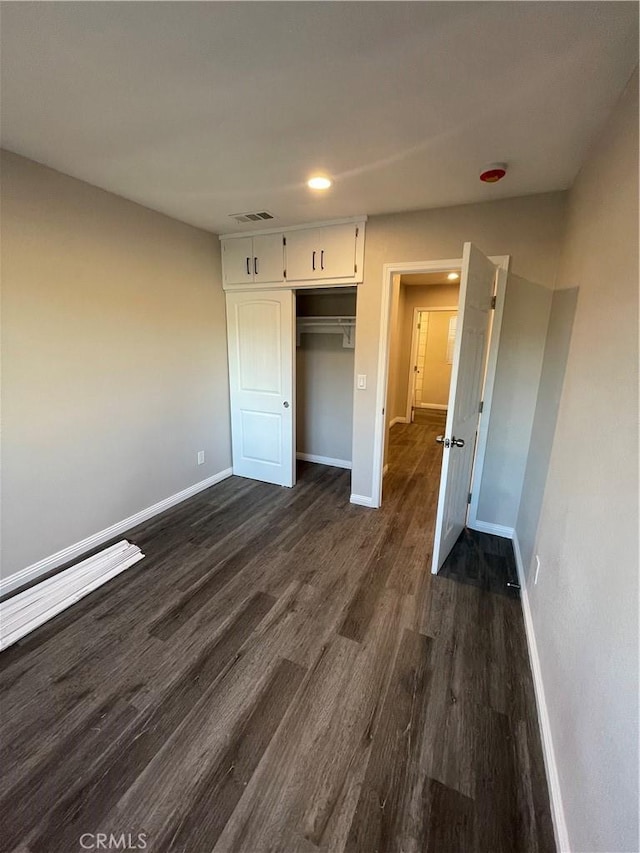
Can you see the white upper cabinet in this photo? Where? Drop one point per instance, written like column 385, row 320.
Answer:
column 318, row 253
column 302, row 256
column 237, row 260
column 268, row 258
column 253, row 260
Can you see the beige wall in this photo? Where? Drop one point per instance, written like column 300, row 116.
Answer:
column 530, row 230
column 585, row 604
column 412, row 297
column 434, row 378
column 114, row 366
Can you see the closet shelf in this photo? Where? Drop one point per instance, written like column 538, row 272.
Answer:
column 345, row 326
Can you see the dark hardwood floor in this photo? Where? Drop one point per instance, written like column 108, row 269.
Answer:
column 282, row 673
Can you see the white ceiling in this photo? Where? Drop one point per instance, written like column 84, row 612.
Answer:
column 201, row 110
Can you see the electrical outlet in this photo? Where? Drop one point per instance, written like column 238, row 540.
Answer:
column 201, row 457
column 535, row 579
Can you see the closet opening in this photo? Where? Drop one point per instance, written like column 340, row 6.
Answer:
column 325, row 348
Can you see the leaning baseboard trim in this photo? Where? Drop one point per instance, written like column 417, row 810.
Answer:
column 362, row 500
column 30, row 573
column 494, row 529
column 557, row 809
column 324, row 460
column 398, row 420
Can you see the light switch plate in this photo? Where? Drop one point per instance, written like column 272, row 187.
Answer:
column 362, row 381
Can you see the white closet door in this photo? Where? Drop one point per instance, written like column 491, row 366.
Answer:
column 477, row 282
column 261, row 335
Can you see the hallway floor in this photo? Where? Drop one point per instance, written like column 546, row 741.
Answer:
column 282, row 673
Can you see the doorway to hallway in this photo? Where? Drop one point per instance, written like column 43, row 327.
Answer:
column 482, row 286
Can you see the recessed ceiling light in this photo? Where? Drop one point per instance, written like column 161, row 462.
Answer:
column 453, row 276
column 319, row 182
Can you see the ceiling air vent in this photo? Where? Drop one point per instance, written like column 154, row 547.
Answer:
column 258, row 216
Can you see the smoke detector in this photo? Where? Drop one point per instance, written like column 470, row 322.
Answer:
column 493, row 173
column 257, row 216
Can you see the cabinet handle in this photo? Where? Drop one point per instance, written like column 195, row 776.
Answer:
column 313, row 260
column 322, row 259
column 255, row 266
column 248, row 267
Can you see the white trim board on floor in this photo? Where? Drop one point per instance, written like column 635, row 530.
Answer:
column 26, row 611
column 30, row 573
column 553, row 779
column 324, row 460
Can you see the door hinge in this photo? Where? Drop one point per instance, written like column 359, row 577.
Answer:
column 355, row 267
column 493, row 302
column 357, row 231
column 284, row 241
column 481, row 406
column 469, row 498
column 284, row 273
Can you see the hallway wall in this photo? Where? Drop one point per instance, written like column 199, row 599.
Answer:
column 584, row 608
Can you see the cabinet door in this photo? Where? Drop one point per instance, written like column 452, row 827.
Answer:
column 268, row 258
column 337, row 244
column 321, row 253
column 237, row 260
column 303, row 255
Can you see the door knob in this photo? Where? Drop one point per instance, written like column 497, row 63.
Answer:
column 457, row 442
column 286, row 404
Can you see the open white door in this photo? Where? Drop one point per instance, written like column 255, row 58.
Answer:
column 260, row 327
column 477, row 281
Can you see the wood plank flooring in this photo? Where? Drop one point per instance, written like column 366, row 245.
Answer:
column 282, row 673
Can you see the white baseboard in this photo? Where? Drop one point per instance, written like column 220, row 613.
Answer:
column 362, row 500
column 398, row 420
column 324, row 460
column 553, row 779
column 437, row 406
column 30, row 573
column 494, row 529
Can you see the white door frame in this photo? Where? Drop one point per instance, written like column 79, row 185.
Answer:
column 399, row 268
column 411, row 381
